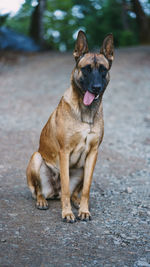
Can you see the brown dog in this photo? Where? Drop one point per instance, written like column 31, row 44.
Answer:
column 65, row 161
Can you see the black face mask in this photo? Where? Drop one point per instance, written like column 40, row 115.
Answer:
column 94, row 79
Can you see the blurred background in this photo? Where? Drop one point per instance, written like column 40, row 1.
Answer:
column 33, row 25
column 31, row 85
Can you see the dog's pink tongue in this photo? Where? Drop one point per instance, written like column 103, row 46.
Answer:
column 88, row 98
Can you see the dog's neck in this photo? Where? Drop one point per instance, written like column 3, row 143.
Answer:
column 88, row 112
column 85, row 113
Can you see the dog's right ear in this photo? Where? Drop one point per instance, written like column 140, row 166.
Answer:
column 81, row 46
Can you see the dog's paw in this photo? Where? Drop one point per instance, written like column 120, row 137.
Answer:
column 68, row 217
column 84, row 216
column 42, row 203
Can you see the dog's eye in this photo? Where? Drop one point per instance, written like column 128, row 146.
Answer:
column 89, row 68
column 86, row 69
column 103, row 70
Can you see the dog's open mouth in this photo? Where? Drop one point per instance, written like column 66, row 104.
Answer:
column 89, row 98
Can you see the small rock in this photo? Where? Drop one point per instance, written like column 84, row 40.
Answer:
column 144, row 206
column 129, row 190
column 106, row 232
column 12, row 214
column 1, row 167
column 142, row 263
column 3, row 240
column 116, row 241
column 123, row 235
column 142, row 213
column 17, row 232
column 14, row 245
column 125, row 222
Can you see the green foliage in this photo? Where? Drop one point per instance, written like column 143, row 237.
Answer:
column 21, row 21
column 3, row 19
column 63, row 18
column 127, row 38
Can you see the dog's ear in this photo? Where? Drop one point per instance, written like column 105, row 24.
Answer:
column 107, row 48
column 81, row 46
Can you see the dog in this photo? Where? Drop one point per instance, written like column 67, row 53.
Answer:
column 64, row 163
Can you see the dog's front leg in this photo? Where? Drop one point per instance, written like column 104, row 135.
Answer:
column 67, row 213
column 84, row 213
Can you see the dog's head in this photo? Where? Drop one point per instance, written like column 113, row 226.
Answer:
column 91, row 74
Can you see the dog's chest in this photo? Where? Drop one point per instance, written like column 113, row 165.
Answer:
column 80, row 151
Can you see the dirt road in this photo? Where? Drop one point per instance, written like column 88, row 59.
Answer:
column 119, row 234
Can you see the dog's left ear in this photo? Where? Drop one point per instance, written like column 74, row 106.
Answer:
column 107, row 48
column 81, row 46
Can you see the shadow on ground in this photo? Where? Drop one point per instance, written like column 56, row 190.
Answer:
column 119, row 234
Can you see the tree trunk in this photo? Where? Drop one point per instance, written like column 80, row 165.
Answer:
column 37, row 26
column 143, row 22
column 125, row 15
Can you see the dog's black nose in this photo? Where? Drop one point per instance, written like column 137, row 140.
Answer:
column 96, row 88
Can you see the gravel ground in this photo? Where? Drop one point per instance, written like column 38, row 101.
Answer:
column 119, row 234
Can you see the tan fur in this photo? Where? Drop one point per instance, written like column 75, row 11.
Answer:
column 68, row 148
column 88, row 59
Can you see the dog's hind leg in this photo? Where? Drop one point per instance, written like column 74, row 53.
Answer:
column 34, row 180
column 75, row 199
column 76, row 185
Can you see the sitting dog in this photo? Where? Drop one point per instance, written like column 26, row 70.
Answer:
column 64, row 164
